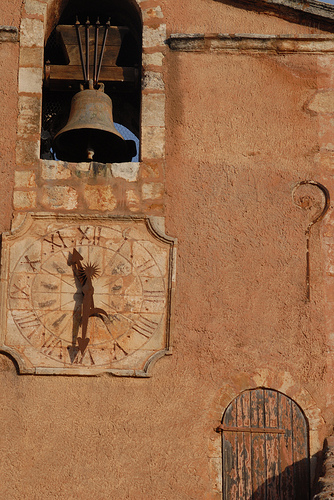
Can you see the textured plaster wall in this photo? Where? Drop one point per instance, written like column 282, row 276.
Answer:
column 8, row 118
column 239, row 138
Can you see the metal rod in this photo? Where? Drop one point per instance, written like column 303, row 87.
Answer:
column 77, row 27
column 308, row 286
column 87, row 48
column 96, row 49
column 252, row 430
column 107, row 26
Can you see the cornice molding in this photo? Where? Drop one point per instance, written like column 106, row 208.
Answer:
column 240, row 43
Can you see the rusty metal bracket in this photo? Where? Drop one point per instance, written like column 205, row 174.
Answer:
column 306, row 202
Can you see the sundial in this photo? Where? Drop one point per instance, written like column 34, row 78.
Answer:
column 86, row 295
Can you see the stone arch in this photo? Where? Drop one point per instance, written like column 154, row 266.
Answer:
column 282, row 382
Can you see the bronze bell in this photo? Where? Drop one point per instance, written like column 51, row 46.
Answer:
column 90, row 133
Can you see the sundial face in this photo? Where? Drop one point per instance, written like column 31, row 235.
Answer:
column 87, row 295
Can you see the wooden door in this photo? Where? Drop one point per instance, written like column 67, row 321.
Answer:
column 265, row 448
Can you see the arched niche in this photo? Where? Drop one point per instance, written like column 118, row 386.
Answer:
column 63, row 75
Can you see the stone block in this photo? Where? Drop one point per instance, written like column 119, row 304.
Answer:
column 152, row 190
column 31, row 57
column 154, row 37
column 55, row 170
column 128, row 171
column 153, row 110
column 153, row 168
column 154, row 59
column 100, row 198
column 17, row 220
column 29, row 115
column 152, row 13
column 81, row 169
column 153, row 142
column 152, row 80
column 60, row 197
column 27, row 151
column 35, row 8
column 132, row 200
column 30, row 80
column 24, row 200
column 24, row 179
column 32, row 33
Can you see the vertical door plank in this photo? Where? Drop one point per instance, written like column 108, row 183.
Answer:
column 241, row 454
column 286, row 447
column 300, row 454
column 230, row 455
column 258, row 446
column 247, row 446
column 272, row 445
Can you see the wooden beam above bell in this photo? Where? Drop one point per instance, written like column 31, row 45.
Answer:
column 69, row 76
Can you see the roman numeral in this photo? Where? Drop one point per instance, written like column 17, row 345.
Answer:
column 154, row 295
column 19, row 292
column 145, row 327
column 31, row 263
column 85, row 359
column 26, row 320
column 91, row 234
column 118, row 352
column 56, row 241
column 28, row 323
column 52, row 347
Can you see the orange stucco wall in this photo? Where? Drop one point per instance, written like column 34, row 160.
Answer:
column 240, row 135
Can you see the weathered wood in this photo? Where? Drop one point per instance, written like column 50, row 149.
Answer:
column 109, row 56
column 229, row 456
column 241, row 447
column 114, row 37
column 272, row 446
column 73, row 74
column 258, row 446
column 265, row 448
column 286, row 455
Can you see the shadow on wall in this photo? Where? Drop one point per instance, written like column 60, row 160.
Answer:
column 325, row 485
column 297, row 12
column 291, row 484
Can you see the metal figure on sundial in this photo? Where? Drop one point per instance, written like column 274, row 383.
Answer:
column 85, row 273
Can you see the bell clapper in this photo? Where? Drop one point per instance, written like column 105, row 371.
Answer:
column 90, row 154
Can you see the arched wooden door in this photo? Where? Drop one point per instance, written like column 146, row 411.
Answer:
column 265, row 448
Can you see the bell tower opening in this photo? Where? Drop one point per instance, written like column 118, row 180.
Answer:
column 91, row 89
